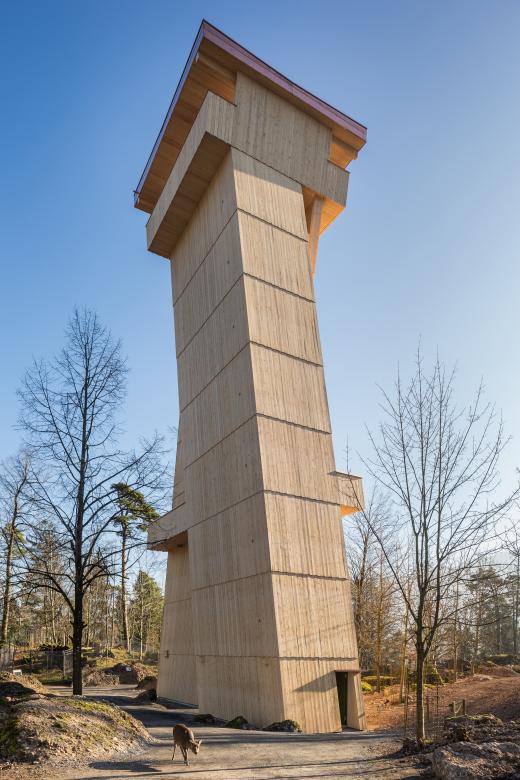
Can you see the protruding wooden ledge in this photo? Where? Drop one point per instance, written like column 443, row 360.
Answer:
column 350, row 490
column 168, row 531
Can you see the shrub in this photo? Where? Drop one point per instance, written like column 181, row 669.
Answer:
column 386, row 679
column 205, row 717
column 239, row 722
column 366, row 687
column 285, row 725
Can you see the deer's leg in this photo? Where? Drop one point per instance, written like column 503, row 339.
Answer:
column 174, row 746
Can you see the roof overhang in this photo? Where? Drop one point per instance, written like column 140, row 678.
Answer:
column 212, row 65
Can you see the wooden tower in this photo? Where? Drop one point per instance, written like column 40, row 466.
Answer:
column 247, row 171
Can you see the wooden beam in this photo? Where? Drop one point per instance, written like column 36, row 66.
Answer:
column 341, row 153
column 313, row 225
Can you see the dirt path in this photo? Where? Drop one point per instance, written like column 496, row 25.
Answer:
column 228, row 754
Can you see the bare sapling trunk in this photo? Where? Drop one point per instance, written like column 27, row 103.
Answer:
column 6, row 599
column 456, row 635
column 77, row 643
column 420, row 730
column 124, row 605
column 13, row 484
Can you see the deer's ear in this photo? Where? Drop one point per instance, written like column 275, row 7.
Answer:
column 200, row 742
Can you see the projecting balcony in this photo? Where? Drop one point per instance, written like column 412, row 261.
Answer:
column 350, row 489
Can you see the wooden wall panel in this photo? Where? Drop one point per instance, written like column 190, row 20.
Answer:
column 178, row 679
column 296, row 461
column 232, row 545
column 178, row 478
column 178, row 627
column 289, row 389
column 268, row 194
column 215, row 276
column 305, row 537
column 313, row 617
column 234, row 686
column 276, row 132
column 238, row 618
column 227, row 474
column 223, row 335
column 282, row 321
column 177, row 585
column 277, row 257
column 227, row 402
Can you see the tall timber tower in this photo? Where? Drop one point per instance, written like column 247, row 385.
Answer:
column 247, row 171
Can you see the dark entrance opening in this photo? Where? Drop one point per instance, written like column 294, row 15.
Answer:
column 342, row 686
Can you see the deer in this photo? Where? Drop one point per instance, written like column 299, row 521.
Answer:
column 185, row 739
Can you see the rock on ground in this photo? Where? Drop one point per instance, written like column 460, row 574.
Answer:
column 129, row 673
column 470, row 761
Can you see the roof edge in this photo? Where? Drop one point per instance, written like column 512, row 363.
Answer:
column 209, row 32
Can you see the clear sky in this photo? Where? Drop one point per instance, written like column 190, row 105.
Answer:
column 429, row 244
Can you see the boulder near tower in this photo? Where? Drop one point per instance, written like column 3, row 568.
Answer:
column 247, row 172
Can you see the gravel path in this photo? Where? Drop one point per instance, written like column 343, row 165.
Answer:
column 228, row 754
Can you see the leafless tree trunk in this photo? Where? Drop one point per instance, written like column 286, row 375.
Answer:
column 124, row 605
column 14, row 479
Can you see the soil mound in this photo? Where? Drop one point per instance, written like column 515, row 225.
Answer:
column 57, row 729
column 93, row 677
column 498, row 671
column 482, row 746
column 19, row 685
column 469, row 761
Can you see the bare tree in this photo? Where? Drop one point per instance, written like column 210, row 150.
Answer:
column 512, row 545
column 438, row 464
column 69, row 414
column 373, row 589
column 14, row 477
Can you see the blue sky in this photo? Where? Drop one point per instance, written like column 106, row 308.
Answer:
column 429, row 244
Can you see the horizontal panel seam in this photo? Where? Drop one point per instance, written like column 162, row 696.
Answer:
column 257, row 344
column 244, row 422
column 175, row 299
column 300, row 575
column 210, row 315
column 322, row 502
column 221, row 301
column 354, row 659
